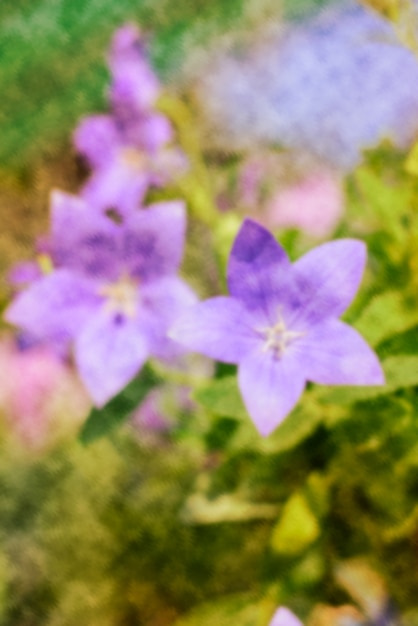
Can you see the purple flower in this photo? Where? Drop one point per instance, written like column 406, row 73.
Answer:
column 114, row 293
column 325, row 86
column 128, row 150
column 135, row 86
column 24, row 273
column 126, row 159
column 280, row 323
column 284, row 617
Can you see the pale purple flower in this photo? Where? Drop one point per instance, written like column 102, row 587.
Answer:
column 284, row 617
column 290, row 193
column 280, row 323
column 157, row 412
column 24, row 273
column 135, row 86
column 126, row 159
column 114, row 293
column 326, row 86
column 128, row 150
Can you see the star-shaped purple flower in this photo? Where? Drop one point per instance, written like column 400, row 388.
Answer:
column 114, row 292
column 280, row 323
column 284, row 617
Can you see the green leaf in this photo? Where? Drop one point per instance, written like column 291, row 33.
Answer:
column 101, row 422
column 386, row 201
column 297, row 426
column 297, row 527
column 222, row 397
column 411, row 163
column 405, row 342
column 401, row 372
column 386, row 315
column 238, row 609
column 229, row 508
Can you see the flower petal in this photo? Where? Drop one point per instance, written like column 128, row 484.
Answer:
column 154, row 240
column 76, row 226
column 56, row 305
column 256, row 268
column 270, row 388
column 117, row 185
column 220, row 328
column 25, row 272
column 335, row 354
column 72, row 214
column 96, row 138
column 163, row 301
column 284, row 617
column 148, row 132
column 108, row 352
column 329, row 276
column 134, row 86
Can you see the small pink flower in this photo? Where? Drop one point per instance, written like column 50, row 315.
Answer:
column 315, row 204
column 36, row 390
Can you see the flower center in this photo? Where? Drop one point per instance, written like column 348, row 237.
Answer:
column 134, row 159
column 277, row 338
column 121, row 296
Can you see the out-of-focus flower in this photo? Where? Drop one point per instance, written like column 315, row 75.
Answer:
column 314, row 204
column 283, row 192
column 126, row 159
column 135, row 87
column 114, row 293
column 128, row 150
column 327, row 86
column 284, row 617
column 39, row 393
column 24, row 273
column 367, row 587
column 159, row 412
column 280, row 324
column 150, row 415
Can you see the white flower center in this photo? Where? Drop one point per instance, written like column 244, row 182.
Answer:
column 277, row 338
column 121, row 296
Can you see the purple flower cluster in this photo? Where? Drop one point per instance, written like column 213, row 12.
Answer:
column 325, row 86
column 113, row 289
column 129, row 149
column 112, row 295
column 113, row 292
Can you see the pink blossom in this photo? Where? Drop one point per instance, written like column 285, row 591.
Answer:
column 37, row 390
column 315, row 204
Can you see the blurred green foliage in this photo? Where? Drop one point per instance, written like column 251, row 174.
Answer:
column 52, row 62
column 53, row 66
column 208, row 522
column 101, row 422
